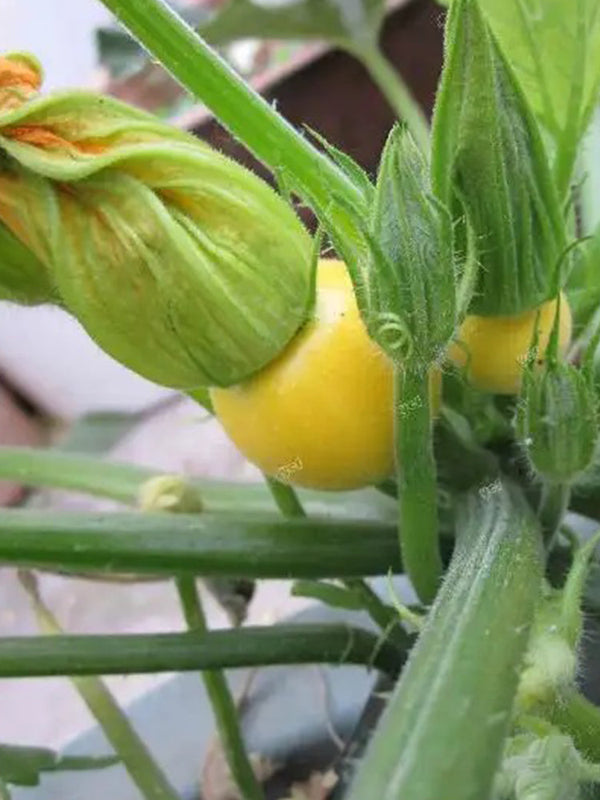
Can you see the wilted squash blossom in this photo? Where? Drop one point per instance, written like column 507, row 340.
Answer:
column 179, row 262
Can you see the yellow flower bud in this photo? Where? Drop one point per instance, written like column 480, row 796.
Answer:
column 180, row 263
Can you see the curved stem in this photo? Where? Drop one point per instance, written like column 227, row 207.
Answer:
column 126, row 654
column 221, row 700
column 417, row 484
column 396, row 93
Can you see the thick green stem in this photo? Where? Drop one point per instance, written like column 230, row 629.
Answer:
column 229, row 546
column 256, row 646
column 554, row 502
column 131, row 750
column 581, row 719
column 417, row 484
column 244, row 112
column 222, row 702
column 456, row 692
column 396, row 93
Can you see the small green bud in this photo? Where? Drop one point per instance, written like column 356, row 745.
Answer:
column 180, row 263
column 557, row 420
column 169, row 493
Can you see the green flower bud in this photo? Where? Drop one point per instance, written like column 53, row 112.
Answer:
column 489, row 164
column 179, row 262
column 557, row 421
column 411, row 285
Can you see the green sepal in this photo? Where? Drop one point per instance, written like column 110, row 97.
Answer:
column 557, row 420
column 411, row 282
column 180, row 263
column 489, row 163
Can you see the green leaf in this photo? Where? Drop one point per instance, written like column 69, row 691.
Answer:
column 553, row 47
column 22, row 766
column 96, row 433
column 348, row 165
column 338, row 21
column 443, row 731
column 489, row 161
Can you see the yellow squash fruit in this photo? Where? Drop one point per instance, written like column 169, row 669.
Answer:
column 321, row 414
column 494, row 350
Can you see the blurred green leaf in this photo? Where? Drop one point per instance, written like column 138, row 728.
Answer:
column 584, row 280
column 96, row 433
column 122, row 56
column 553, row 46
column 22, row 766
column 344, row 22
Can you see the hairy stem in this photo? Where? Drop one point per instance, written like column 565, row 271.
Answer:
column 581, row 719
column 417, row 485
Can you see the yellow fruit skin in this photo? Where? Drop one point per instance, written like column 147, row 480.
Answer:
column 321, row 414
column 494, row 349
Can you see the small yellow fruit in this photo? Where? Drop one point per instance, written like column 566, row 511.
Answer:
column 321, row 414
column 495, row 349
